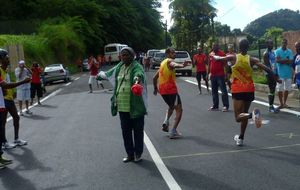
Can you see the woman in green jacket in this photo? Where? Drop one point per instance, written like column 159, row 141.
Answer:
column 131, row 107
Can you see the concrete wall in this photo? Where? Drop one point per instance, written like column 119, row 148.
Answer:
column 292, row 37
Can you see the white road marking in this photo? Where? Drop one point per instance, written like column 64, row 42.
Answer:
column 76, row 78
column 169, row 179
column 255, row 101
column 68, row 84
column 230, row 151
column 42, row 100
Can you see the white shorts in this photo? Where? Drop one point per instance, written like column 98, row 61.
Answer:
column 23, row 94
column 93, row 78
column 285, row 85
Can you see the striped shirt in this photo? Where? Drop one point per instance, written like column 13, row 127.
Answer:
column 123, row 97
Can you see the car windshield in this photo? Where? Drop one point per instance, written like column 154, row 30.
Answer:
column 54, row 65
column 151, row 53
column 181, row 55
column 159, row 55
column 111, row 49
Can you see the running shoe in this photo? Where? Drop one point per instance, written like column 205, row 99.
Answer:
column 257, row 119
column 20, row 142
column 225, row 109
column 165, row 126
column 21, row 113
column 138, row 158
column 2, row 166
column 273, row 110
column 175, row 134
column 8, row 145
column 238, row 141
column 213, row 109
column 28, row 112
column 5, row 161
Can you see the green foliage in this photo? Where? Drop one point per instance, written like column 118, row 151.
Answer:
column 63, row 40
column 283, row 18
column 259, row 77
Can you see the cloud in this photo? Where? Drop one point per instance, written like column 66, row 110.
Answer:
column 287, row 4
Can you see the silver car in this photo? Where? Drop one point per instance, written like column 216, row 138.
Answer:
column 55, row 72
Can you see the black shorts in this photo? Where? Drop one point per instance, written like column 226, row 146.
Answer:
column 245, row 96
column 36, row 89
column 199, row 74
column 172, row 99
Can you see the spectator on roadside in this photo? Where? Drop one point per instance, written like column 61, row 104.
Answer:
column 284, row 60
column 94, row 67
column 146, row 61
column 166, row 77
column 131, row 107
column 296, row 65
column 4, row 60
column 36, row 84
column 23, row 91
column 200, row 61
column 270, row 62
column 217, row 78
column 79, row 64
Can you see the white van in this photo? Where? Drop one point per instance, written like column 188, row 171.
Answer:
column 113, row 51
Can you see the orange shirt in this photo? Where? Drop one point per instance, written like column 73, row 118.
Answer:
column 242, row 75
column 167, row 78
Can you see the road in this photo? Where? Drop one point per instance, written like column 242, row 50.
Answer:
column 74, row 143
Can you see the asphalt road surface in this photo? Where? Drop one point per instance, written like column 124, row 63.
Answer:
column 74, row 143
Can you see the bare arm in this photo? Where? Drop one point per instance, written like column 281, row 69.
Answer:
column 283, row 61
column 266, row 59
column 155, row 79
column 6, row 85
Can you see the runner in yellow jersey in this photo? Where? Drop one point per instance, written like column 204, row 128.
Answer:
column 166, row 76
column 242, row 88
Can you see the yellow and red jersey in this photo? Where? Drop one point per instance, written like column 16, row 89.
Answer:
column 167, row 78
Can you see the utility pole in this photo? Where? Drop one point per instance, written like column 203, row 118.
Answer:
column 166, row 34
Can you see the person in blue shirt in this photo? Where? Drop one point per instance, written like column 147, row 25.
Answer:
column 296, row 65
column 284, row 60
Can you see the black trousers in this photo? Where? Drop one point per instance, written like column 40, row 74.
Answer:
column 133, row 133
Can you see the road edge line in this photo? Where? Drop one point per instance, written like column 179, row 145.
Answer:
column 167, row 176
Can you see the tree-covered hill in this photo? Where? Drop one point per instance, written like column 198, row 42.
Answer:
column 283, row 18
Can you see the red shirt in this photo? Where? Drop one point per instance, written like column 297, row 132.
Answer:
column 93, row 67
column 199, row 60
column 36, row 73
column 216, row 66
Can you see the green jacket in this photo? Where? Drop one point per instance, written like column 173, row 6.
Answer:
column 138, row 104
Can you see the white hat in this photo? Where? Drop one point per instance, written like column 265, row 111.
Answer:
column 21, row 62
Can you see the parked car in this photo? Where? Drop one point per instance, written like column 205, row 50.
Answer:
column 55, row 72
column 181, row 57
column 150, row 54
column 157, row 59
column 85, row 65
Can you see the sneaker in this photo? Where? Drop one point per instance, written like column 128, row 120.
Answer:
column 238, row 141
column 273, row 110
column 8, row 145
column 175, row 134
column 2, row 166
column 20, row 142
column 225, row 109
column 165, row 126
column 256, row 116
column 5, row 161
column 21, row 113
column 138, row 158
column 213, row 109
column 28, row 112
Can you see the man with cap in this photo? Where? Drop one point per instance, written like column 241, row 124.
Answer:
column 23, row 91
column 130, row 92
column 4, row 59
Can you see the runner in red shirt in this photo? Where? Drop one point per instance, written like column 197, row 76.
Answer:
column 94, row 67
column 200, row 60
